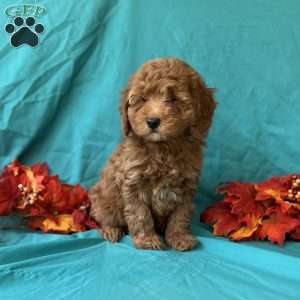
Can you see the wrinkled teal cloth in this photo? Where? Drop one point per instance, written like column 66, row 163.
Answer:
column 59, row 104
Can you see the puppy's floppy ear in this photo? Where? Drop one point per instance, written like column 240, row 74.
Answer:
column 205, row 105
column 124, row 111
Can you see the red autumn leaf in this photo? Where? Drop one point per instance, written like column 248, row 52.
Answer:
column 220, row 217
column 79, row 216
column 9, row 193
column 91, row 223
column 40, row 170
column 242, row 198
column 53, row 197
column 63, row 198
column 82, row 218
column 277, row 226
column 35, row 211
column 75, row 196
column 23, row 180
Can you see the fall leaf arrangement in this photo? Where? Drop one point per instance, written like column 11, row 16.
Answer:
column 268, row 210
column 47, row 203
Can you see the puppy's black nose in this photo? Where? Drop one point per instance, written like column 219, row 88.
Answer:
column 153, row 123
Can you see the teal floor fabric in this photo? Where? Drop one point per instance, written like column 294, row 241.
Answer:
column 59, row 104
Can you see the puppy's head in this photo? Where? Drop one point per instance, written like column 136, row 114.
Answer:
column 167, row 99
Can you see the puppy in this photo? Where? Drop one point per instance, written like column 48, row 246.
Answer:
column 150, row 182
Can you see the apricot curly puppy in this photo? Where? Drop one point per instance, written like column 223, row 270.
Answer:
column 150, row 182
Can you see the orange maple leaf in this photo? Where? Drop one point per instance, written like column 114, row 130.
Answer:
column 62, row 223
column 278, row 190
column 250, row 225
column 277, row 226
column 273, row 188
column 220, row 217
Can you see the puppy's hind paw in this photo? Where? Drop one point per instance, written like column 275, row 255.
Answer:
column 113, row 234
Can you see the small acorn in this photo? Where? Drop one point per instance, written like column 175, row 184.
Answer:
column 295, row 184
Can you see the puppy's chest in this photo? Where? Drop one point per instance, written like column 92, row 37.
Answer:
column 164, row 183
column 165, row 196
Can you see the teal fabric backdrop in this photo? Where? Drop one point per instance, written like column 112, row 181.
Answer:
column 59, row 104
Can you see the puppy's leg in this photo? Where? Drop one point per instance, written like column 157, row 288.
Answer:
column 139, row 219
column 141, row 226
column 178, row 232
column 107, row 211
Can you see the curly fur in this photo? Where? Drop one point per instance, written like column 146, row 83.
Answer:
column 150, row 181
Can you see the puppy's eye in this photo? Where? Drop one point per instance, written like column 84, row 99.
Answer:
column 136, row 99
column 171, row 99
column 140, row 99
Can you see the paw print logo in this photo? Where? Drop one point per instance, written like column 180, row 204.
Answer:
column 24, row 32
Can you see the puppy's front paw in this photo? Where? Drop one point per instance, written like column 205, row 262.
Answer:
column 113, row 234
column 149, row 242
column 182, row 241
